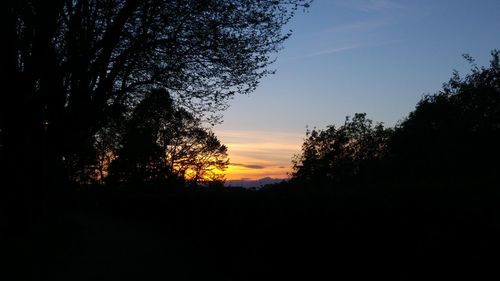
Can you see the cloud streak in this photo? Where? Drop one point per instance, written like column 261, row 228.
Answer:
column 361, row 26
column 258, row 154
column 324, row 52
column 249, row 166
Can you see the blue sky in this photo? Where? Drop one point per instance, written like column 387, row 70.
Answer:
column 373, row 56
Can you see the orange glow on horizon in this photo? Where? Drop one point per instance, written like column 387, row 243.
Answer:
column 254, row 154
column 237, row 172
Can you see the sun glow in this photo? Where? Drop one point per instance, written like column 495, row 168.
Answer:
column 211, row 173
column 237, row 172
column 256, row 154
column 252, row 155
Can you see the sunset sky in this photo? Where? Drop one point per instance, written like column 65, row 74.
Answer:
column 373, row 56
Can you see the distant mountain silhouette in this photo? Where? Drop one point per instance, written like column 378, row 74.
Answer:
column 248, row 183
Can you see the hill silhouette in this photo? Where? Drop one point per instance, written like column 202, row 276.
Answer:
column 248, row 183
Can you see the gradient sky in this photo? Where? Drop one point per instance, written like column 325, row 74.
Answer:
column 348, row 56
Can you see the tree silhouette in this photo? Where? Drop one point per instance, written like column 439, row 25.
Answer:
column 162, row 142
column 343, row 153
column 454, row 134
column 195, row 154
column 70, row 66
column 451, row 137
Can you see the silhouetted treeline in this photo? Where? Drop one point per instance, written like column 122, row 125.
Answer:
column 157, row 143
column 453, row 136
column 71, row 69
column 88, row 83
column 96, row 93
column 450, row 138
column 351, row 152
column 357, row 208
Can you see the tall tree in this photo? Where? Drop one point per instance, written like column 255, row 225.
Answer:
column 453, row 135
column 163, row 142
column 72, row 64
column 198, row 156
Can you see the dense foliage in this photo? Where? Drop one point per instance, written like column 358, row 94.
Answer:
column 410, row 203
column 162, row 143
column 451, row 137
column 351, row 151
column 73, row 67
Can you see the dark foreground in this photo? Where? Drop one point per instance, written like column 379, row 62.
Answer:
column 277, row 234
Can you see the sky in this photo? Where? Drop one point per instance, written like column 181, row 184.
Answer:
column 347, row 56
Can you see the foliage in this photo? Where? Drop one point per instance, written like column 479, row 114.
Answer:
column 73, row 66
column 454, row 134
column 162, row 142
column 196, row 155
column 451, row 136
column 340, row 154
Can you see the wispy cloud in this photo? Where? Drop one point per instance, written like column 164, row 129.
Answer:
column 360, row 26
column 331, row 51
column 353, row 35
column 249, row 166
column 258, row 154
column 325, row 52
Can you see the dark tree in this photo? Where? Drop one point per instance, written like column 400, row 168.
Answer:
column 453, row 135
column 194, row 153
column 141, row 158
column 338, row 155
column 70, row 66
column 163, row 143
